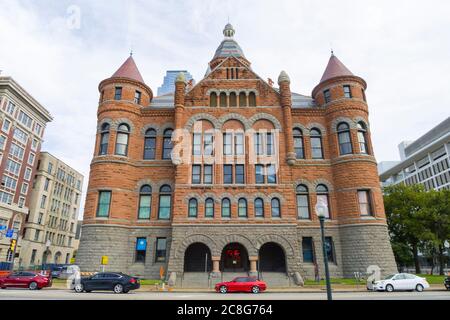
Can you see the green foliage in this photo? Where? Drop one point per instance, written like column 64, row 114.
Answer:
column 417, row 219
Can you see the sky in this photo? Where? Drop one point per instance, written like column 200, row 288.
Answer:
column 59, row 51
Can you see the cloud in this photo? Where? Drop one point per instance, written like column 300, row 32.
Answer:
column 400, row 48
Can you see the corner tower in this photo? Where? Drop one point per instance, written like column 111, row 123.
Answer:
column 361, row 217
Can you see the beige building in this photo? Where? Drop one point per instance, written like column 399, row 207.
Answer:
column 49, row 234
column 22, row 124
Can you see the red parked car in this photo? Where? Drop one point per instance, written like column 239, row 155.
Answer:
column 25, row 279
column 242, row 284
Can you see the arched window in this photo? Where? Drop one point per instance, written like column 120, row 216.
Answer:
column 322, row 196
column 104, row 139
column 150, row 144
column 209, row 208
column 123, row 132
column 165, row 202
column 345, row 142
column 316, row 144
column 226, row 208
column 303, row 202
column 145, row 202
column 298, row 143
column 167, row 144
column 252, row 99
column 362, row 138
column 242, row 208
column 193, row 208
column 223, row 99
column 259, row 208
column 213, row 99
column 242, row 99
column 233, row 99
column 276, row 208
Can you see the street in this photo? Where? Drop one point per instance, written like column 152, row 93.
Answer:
column 50, row 294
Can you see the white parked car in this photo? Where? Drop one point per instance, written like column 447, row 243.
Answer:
column 401, row 281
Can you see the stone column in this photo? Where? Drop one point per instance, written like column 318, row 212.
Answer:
column 216, row 267
column 180, row 88
column 286, row 104
column 253, row 270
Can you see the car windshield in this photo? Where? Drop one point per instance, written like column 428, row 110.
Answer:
column 389, row 277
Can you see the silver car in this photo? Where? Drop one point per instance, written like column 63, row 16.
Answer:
column 401, row 281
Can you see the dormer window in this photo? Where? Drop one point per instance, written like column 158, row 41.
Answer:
column 347, row 91
column 118, row 93
column 327, row 95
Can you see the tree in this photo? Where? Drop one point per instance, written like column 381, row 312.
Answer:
column 404, row 206
column 436, row 219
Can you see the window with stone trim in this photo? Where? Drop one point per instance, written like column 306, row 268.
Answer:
column 137, row 97
column 298, row 143
column 167, row 144
column 347, row 91
column 123, row 132
column 308, row 250
column 364, row 200
column 161, row 250
column 227, row 174
column 233, row 99
column 209, row 208
column 327, row 95
column 259, row 174
column 150, row 144
column 226, row 208
column 145, row 202
column 259, row 208
column 276, row 208
column 196, row 174
column 362, row 138
column 242, row 99
column 213, row 99
column 193, row 208
column 207, row 174
column 103, row 205
column 323, row 196
column 223, row 99
column 344, row 138
column 303, row 210
column 316, row 144
column 141, row 249
column 242, row 208
column 165, row 202
column 118, row 93
column 252, row 99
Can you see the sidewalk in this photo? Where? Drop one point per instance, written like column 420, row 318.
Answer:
column 305, row 289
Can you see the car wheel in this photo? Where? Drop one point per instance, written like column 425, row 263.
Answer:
column 223, row 289
column 419, row 288
column 126, row 291
column 389, row 288
column 33, row 286
column 255, row 289
column 118, row 288
column 79, row 288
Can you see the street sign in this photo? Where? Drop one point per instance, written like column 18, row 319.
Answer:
column 3, row 227
column 9, row 233
column 72, row 260
column 104, row 260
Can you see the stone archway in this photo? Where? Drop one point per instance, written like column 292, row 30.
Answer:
column 234, row 258
column 197, row 258
column 272, row 258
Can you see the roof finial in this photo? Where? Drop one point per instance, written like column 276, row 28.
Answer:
column 131, row 52
column 228, row 31
column 331, row 47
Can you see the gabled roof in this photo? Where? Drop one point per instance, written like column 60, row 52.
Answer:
column 129, row 70
column 335, row 68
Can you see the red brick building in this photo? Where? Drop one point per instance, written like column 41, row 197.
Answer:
column 222, row 177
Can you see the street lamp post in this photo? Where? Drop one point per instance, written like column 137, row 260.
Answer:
column 321, row 209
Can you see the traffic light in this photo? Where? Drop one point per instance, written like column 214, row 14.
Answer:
column 12, row 245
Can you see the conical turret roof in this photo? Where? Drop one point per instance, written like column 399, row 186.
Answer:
column 335, row 68
column 129, row 70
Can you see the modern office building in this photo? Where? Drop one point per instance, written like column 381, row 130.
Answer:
column 222, row 178
column 50, row 228
column 23, row 121
column 168, row 85
column 425, row 160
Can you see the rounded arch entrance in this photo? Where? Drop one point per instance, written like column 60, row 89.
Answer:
column 272, row 258
column 234, row 258
column 197, row 258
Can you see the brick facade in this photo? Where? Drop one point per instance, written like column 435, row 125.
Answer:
column 358, row 241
